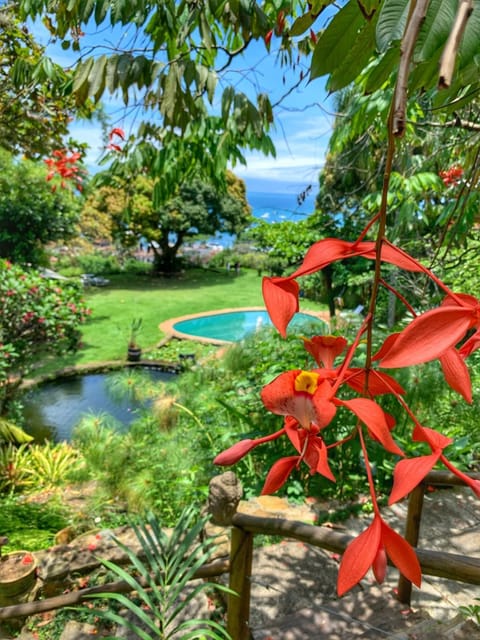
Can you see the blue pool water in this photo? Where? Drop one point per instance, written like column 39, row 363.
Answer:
column 233, row 326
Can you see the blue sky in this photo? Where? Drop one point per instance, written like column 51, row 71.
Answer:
column 303, row 119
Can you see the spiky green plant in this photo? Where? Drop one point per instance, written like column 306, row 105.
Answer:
column 170, row 562
column 9, row 432
column 52, row 464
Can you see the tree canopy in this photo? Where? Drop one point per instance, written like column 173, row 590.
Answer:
column 36, row 102
column 31, row 213
column 196, row 209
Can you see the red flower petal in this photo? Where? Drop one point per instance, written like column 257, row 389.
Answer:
column 325, row 349
column 456, row 373
column 378, row 382
column 428, row 336
column 328, row 250
column 358, row 557
column 375, row 418
column 235, row 453
column 470, row 345
column 401, row 554
column 435, row 440
column 278, row 474
column 117, row 132
column 281, row 300
column 409, row 473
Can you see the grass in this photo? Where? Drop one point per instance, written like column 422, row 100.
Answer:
column 105, row 335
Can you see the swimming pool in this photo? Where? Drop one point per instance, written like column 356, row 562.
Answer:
column 233, row 326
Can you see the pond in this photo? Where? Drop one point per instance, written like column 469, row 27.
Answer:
column 52, row 409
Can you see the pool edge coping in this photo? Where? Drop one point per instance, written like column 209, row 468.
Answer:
column 167, row 326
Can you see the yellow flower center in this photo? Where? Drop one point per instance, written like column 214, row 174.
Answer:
column 307, row 381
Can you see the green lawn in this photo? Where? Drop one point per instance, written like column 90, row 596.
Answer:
column 106, row 333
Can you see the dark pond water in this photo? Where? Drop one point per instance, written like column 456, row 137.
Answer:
column 52, row 409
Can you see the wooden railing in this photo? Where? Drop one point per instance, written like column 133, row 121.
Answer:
column 435, row 563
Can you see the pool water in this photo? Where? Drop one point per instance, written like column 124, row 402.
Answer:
column 233, row 326
column 52, row 409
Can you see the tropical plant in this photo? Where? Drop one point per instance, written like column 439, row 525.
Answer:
column 135, row 327
column 51, row 465
column 160, row 582
column 31, row 214
column 11, row 433
column 15, row 469
column 39, row 316
column 35, row 103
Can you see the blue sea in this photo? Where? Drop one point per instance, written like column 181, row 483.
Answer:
column 274, row 207
column 277, row 207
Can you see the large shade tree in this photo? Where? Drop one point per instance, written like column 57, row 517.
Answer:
column 196, row 209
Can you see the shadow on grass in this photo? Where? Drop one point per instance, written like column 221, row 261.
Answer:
column 188, row 280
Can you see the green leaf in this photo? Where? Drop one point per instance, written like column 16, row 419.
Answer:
column 336, row 41
column 80, row 80
column 435, row 31
column 391, row 22
column 302, row 24
column 96, row 78
column 111, row 73
column 356, row 59
column 101, row 10
column 383, row 69
column 9, row 432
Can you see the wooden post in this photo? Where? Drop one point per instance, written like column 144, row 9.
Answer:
column 238, row 612
column 412, row 533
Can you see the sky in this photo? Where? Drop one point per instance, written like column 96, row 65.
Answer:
column 303, row 119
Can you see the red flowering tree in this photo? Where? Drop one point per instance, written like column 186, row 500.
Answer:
column 39, row 316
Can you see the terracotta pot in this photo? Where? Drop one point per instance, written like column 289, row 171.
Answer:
column 18, row 574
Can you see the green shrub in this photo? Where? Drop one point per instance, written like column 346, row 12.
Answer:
column 99, row 264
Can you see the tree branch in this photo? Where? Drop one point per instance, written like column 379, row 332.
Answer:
column 408, row 44
column 449, row 55
column 457, row 122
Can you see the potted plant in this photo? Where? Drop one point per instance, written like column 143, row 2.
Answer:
column 18, row 575
column 134, row 352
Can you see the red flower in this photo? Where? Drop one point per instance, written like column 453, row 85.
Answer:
column 409, row 473
column 325, row 349
column 371, row 549
column 281, row 294
column 116, row 132
column 451, row 176
column 433, row 335
column 268, row 38
column 280, row 22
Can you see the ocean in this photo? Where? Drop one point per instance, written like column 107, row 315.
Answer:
column 273, row 207
column 277, row 207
